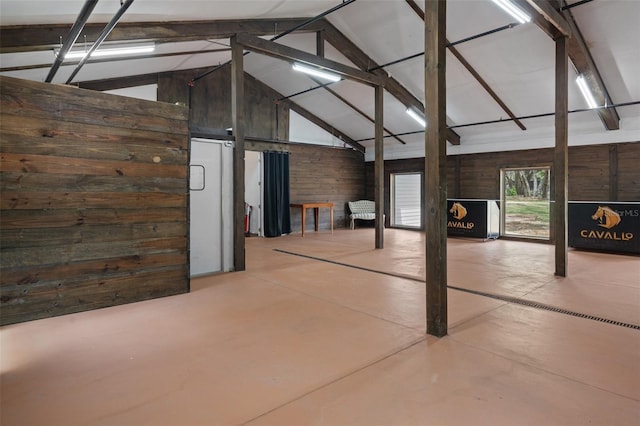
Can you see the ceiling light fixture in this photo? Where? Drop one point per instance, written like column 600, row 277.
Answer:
column 112, row 51
column 586, row 93
column 416, row 116
column 513, row 10
column 317, row 72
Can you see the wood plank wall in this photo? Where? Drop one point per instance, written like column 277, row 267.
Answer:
column 93, row 200
column 211, row 102
column 607, row 172
column 325, row 174
column 628, row 171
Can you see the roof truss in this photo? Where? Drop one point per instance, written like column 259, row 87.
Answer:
column 454, row 51
column 557, row 21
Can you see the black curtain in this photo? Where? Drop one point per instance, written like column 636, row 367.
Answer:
column 277, row 217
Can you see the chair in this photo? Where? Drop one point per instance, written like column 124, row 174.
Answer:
column 363, row 210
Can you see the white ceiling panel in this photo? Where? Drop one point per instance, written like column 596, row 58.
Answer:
column 332, row 110
column 29, row 12
column 615, row 51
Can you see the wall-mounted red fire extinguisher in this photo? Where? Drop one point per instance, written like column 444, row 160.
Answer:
column 247, row 216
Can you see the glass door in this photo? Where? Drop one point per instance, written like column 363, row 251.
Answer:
column 525, row 202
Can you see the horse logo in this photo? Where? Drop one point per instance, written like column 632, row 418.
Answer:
column 606, row 217
column 458, row 211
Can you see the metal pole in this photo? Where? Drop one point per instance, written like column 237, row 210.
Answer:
column 103, row 35
column 77, row 27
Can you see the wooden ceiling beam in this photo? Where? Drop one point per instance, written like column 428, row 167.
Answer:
column 545, row 17
column 119, row 59
column 352, row 52
column 280, row 51
column 585, row 65
column 548, row 16
column 356, row 109
column 545, row 9
column 454, row 51
column 119, row 83
column 23, row 38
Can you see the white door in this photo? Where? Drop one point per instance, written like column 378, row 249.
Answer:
column 253, row 189
column 211, row 206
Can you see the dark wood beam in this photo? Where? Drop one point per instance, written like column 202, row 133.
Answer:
column 119, row 83
column 550, row 14
column 583, row 62
column 436, row 166
column 416, row 8
column 196, row 131
column 379, row 167
column 356, row 55
column 323, row 125
column 541, row 21
column 454, row 51
column 237, row 118
column 287, row 53
column 561, row 157
column 356, row 109
column 486, row 86
column 23, row 38
column 120, row 59
column 320, row 44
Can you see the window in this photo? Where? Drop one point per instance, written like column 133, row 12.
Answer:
column 406, row 200
column 525, row 201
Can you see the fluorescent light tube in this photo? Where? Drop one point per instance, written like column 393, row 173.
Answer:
column 113, row 51
column 586, row 93
column 317, row 72
column 513, row 10
column 417, row 117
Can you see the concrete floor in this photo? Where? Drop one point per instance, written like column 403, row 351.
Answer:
column 299, row 341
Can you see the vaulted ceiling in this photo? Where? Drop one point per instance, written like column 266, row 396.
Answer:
column 500, row 74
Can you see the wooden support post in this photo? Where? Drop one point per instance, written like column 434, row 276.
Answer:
column 561, row 156
column 436, row 166
column 320, row 43
column 237, row 117
column 379, row 166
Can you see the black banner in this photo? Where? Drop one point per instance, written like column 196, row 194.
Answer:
column 608, row 226
column 467, row 218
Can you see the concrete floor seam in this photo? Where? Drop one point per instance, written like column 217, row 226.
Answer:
column 333, row 302
column 509, row 299
column 338, row 379
column 539, row 368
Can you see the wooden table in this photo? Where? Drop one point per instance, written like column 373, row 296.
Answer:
column 316, row 207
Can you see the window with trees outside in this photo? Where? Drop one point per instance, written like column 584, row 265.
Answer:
column 406, row 200
column 525, row 202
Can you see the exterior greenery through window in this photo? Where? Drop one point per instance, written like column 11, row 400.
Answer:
column 525, row 200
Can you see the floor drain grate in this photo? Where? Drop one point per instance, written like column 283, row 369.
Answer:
column 538, row 305
column 510, row 299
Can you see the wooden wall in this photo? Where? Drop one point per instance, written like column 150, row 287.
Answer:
column 211, row 102
column 627, row 173
column 93, row 200
column 319, row 174
column 607, row 172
